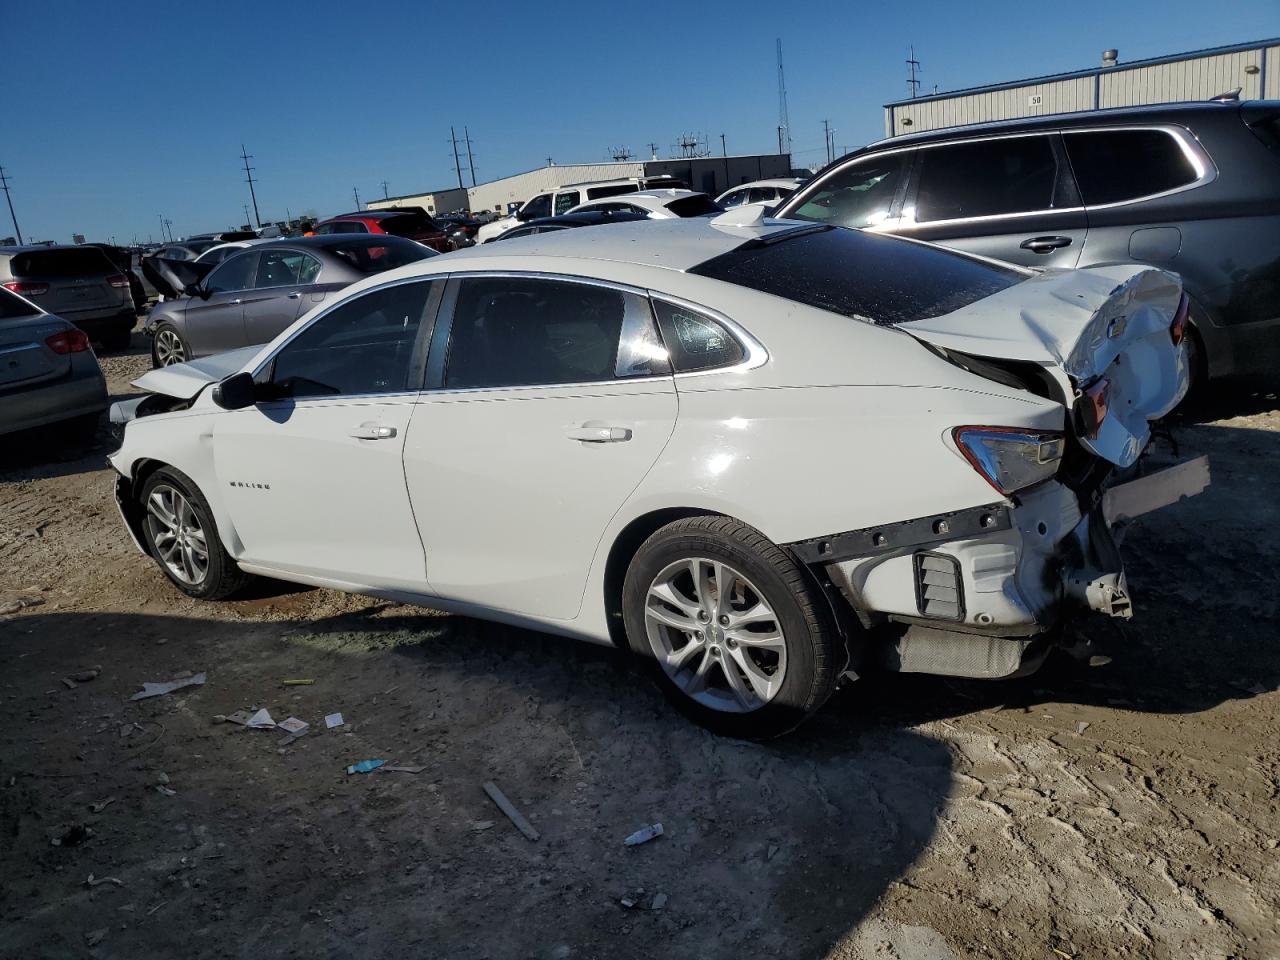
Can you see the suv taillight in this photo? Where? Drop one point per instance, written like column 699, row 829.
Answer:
column 68, row 341
column 28, row 288
column 118, row 280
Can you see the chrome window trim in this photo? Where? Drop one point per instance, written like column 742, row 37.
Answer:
column 1206, row 171
column 755, row 353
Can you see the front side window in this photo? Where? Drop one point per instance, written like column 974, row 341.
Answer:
column 1116, row 165
column 696, row 341
column 539, row 206
column 761, row 195
column 566, row 200
column 859, row 195
column 285, row 268
column 734, row 199
column 694, row 205
column 364, row 346
column 510, row 332
column 986, row 178
column 231, row 274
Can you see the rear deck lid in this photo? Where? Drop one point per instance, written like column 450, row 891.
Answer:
column 25, row 355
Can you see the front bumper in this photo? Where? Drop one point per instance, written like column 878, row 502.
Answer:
column 972, row 593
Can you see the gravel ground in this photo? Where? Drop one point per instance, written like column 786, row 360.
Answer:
column 1124, row 811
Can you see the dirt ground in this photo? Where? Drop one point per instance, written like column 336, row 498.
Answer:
column 1130, row 810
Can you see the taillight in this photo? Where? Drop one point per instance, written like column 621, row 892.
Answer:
column 68, row 341
column 118, row 280
column 28, row 288
column 1011, row 458
column 1178, row 329
column 1092, row 407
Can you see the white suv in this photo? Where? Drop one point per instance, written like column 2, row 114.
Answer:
column 552, row 203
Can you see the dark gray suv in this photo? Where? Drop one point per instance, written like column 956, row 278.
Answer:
column 1193, row 188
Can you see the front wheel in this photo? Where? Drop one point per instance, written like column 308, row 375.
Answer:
column 738, row 635
column 168, row 347
column 180, row 534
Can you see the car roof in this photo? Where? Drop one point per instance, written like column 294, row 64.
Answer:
column 775, row 182
column 31, row 247
column 587, row 218
column 368, row 215
column 325, row 241
column 649, row 199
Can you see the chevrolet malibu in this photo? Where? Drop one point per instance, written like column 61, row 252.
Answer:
column 760, row 455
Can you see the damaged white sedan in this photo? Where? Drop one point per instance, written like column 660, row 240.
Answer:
column 759, row 455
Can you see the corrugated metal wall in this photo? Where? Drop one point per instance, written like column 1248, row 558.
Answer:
column 1194, row 78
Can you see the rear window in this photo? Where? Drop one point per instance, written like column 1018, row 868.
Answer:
column 59, row 264
column 370, row 254
column 12, row 306
column 408, row 224
column 1116, row 165
column 865, row 276
column 616, row 190
column 694, row 206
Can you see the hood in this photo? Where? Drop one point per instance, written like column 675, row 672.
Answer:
column 1084, row 326
column 172, row 277
column 183, row 381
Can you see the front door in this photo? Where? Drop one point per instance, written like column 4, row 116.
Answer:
column 281, row 293
column 1010, row 198
column 555, row 401
column 312, row 474
column 215, row 320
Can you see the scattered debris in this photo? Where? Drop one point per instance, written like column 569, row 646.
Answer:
column 162, row 777
column 95, row 937
column 261, row 720
column 98, row 881
column 333, row 720
column 166, row 791
column 240, row 717
column 156, row 907
column 71, row 835
column 632, row 900
column 21, row 603
column 292, row 738
column 1082, row 726
column 101, row 805
column 364, row 766
column 478, row 825
column 644, row 835
column 659, row 901
column 68, row 683
column 404, row 769
column 514, row 815
column 84, row 676
column 160, row 689
column 1063, row 954
column 296, row 683
column 772, row 851
column 294, row 725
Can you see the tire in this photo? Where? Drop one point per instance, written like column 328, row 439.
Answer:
column 118, row 340
column 796, row 641
column 218, row 576
column 168, row 346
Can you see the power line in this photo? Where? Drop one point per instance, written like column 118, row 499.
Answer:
column 248, row 176
column 4, row 181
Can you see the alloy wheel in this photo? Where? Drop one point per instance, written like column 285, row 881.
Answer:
column 715, row 635
column 177, row 534
column 170, row 348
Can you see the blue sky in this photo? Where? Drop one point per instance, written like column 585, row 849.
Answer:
column 117, row 113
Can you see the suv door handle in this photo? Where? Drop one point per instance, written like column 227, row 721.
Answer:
column 1045, row 244
column 373, row 431
column 294, row 296
column 598, row 433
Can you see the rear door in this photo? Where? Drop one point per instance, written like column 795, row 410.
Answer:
column 554, row 401
column 215, row 323
column 1010, row 198
column 281, row 292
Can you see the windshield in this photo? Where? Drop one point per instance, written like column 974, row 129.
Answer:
column 56, row 264
column 865, row 276
column 13, row 306
column 370, row 254
column 408, row 224
column 694, row 206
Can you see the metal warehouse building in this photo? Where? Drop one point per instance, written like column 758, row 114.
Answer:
column 1253, row 68
column 711, row 175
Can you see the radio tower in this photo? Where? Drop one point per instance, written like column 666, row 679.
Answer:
column 784, row 122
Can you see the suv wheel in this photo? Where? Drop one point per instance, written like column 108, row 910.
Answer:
column 168, row 347
column 739, row 637
column 180, row 534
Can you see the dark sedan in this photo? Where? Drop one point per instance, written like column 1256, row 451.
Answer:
column 588, row 218
column 251, row 297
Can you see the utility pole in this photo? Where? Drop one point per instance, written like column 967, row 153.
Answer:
column 457, row 163
column 248, row 176
column 653, row 151
column 784, row 120
column 356, row 193
column 914, row 65
column 471, row 163
column 724, row 151
column 4, row 181
column 826, row 138
column 384, row 191
column 246, row 212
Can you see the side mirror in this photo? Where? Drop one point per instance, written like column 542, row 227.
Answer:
column 196, row 290
column 236, row 392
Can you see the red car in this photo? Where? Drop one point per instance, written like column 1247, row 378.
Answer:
column 411, row 224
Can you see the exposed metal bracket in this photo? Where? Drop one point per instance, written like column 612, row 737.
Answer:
column 891, row 537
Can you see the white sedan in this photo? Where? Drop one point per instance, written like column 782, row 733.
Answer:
column 759, row 455
column 655, row 204
column 762, row 193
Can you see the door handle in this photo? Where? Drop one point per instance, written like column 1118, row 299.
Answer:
column 598, row 433
column 1045, row 244
column 294, row 296
column 373, row 431
column 236, row 300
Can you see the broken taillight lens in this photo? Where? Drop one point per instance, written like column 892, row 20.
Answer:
column 1011, row 458
column 68, row 341
column 1178, row 329
column 1092, row 407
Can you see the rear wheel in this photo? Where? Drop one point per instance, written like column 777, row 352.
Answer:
column 737, row 634
column 168, row 347
column 180, row 534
